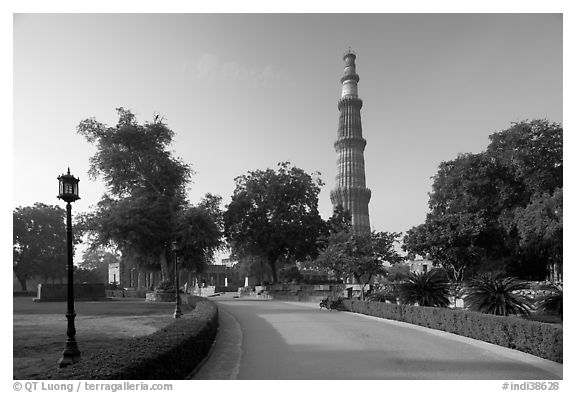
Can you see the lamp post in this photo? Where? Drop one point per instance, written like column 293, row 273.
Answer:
column 176, row 250
column 68, row 192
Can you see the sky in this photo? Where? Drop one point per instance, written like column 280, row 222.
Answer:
column 245, row 91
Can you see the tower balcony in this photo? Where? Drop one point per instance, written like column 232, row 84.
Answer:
column 353, row 101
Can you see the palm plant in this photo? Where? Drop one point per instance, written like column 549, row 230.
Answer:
column 552, row 303
column 498, row 296
column 429, row 289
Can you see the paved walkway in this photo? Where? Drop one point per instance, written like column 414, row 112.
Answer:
column 263, row 340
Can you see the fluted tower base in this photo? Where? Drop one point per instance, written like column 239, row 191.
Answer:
column 355, row 200
column 350, row 191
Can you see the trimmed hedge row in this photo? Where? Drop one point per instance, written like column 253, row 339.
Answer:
column 170, row 353
column 536, row 338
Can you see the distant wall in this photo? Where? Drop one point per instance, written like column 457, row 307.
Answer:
column 305, row 292
column 60, row 292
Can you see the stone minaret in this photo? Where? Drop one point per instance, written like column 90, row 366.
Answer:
column 351, row 192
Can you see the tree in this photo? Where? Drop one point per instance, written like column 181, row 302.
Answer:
column 539, row 229
column 427, row 289
column 145, row 184
column 533, row 150
column 340, row 220
column 397, row 272
column 478, row 200
column 97, row 260
column 274, row 215
column 199, row 232
column 361, row 255
column 39, row 242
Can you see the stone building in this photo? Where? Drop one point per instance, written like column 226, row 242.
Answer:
column 141, row 278
column 420, row 265
column 350, row 191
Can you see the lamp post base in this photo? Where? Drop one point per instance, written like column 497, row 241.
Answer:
column 70, row 355
column 177, row 311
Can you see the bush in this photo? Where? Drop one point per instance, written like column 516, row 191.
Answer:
column 430, row 289
column 170, row 353
column 539, row 339
column 498, row 296
column 552, row 303
column 387, row 293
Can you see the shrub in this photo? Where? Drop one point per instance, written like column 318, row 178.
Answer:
column 386, row 293
column 552, row 303
column 170, row 353
column 498, row 296
column 536, row 338
column 429, row 289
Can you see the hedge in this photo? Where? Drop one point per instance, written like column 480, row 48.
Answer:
column 172, row 352
column 536, row 338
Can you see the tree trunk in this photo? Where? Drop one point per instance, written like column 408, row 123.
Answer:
column 166, row 269
column 358, row 279
column 272, row 263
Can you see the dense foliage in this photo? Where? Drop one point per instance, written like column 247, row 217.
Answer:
column 359, row 255
column 498, row 296
column 428, row 289
column 552, row 302
column 145, row 207
column 96, row 261
column 273, row 216
column 499, row 210
column 39, row 242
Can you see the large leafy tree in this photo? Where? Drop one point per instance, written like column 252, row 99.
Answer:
column 39, row 242
column 533, row 151
column 538, row 227
column 360, row 255
column 145, row 208
column 273, row 215
column 478, row 201
column 199, row 232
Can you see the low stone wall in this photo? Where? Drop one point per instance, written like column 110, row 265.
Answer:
column 304, row 292
column 204, row 292
column 58, row 292
column 168, row 297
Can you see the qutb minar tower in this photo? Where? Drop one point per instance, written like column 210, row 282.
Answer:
column 351, row 192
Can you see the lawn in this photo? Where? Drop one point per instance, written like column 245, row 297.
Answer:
column 39, row 328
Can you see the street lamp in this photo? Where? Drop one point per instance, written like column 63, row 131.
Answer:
column 68, row 192
column 176, row 250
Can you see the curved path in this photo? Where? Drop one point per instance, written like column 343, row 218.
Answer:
column 264, row 340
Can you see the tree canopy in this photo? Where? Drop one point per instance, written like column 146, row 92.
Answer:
column 39, row 242
column 360, row 255
column 145, row 208
column 274, row 215
column 484, row 206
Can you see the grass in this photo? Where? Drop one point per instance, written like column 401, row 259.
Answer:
column 39, row 329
